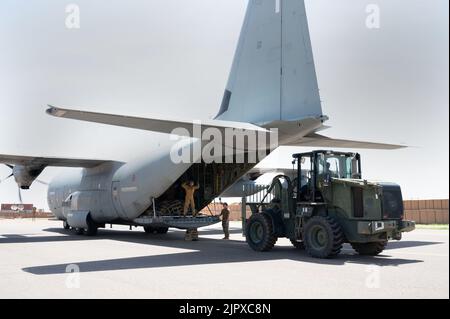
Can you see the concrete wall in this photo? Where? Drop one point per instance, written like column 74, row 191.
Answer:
column 420, row 211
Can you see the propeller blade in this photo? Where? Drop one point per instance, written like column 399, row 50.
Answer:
column 20, row 196
column 42, row 182
column 2, row 180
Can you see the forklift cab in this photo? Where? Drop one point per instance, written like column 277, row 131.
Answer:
column 316, row 170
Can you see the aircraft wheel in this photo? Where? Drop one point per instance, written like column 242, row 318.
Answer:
column 323, row 237
column 156, row 230
column 66, row 225
column 92, row 228
column 79, row 231
column 162, row 230
column 149, row 230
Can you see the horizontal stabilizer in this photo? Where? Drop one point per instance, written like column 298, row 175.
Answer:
column 151, row 124
column 317, row 140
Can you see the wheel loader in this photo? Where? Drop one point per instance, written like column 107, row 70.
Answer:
column 324, row 204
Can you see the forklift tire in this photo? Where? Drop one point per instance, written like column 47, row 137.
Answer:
column 298, row 244
column 259, row 233
column 323, row 237
column 370, row 249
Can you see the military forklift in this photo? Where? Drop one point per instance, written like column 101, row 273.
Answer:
column 324, row 204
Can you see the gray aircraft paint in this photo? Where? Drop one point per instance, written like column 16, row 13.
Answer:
column 116, row 190
column 273, row 76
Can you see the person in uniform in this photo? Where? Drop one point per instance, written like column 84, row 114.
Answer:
column 225, row 214
column 190, row 189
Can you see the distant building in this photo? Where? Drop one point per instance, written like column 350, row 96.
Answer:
column 13, row 211
column 17, row 208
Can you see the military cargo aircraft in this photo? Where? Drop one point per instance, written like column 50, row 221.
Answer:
column 272, row 87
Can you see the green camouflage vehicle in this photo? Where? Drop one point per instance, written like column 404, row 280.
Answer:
column 325, row 205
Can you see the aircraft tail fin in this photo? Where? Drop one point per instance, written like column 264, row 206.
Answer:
column 273, row 75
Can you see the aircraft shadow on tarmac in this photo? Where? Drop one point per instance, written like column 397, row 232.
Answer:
column 205, row 251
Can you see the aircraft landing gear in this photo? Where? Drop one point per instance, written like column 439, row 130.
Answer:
column 92, row 228
column 66, row 225
column 156, row 230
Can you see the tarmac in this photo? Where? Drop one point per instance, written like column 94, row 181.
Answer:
column 38, row 259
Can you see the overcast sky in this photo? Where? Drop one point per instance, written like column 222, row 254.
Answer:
column 172, row 58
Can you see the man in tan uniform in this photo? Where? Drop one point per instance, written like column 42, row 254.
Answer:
column 190, row 189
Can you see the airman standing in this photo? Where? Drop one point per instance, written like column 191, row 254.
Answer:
column 225, row 214
column 189, row 201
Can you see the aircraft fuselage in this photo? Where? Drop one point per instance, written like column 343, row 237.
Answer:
column 114, row 191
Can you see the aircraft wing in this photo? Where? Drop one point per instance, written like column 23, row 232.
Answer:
column 317, row 140
column 149, row 124
column 49, row 161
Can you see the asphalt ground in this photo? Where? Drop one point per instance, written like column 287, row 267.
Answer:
column 38, row 259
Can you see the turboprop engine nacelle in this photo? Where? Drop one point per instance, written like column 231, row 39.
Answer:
column 26, row 175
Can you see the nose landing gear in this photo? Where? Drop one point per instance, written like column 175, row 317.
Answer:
column 91, row 229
